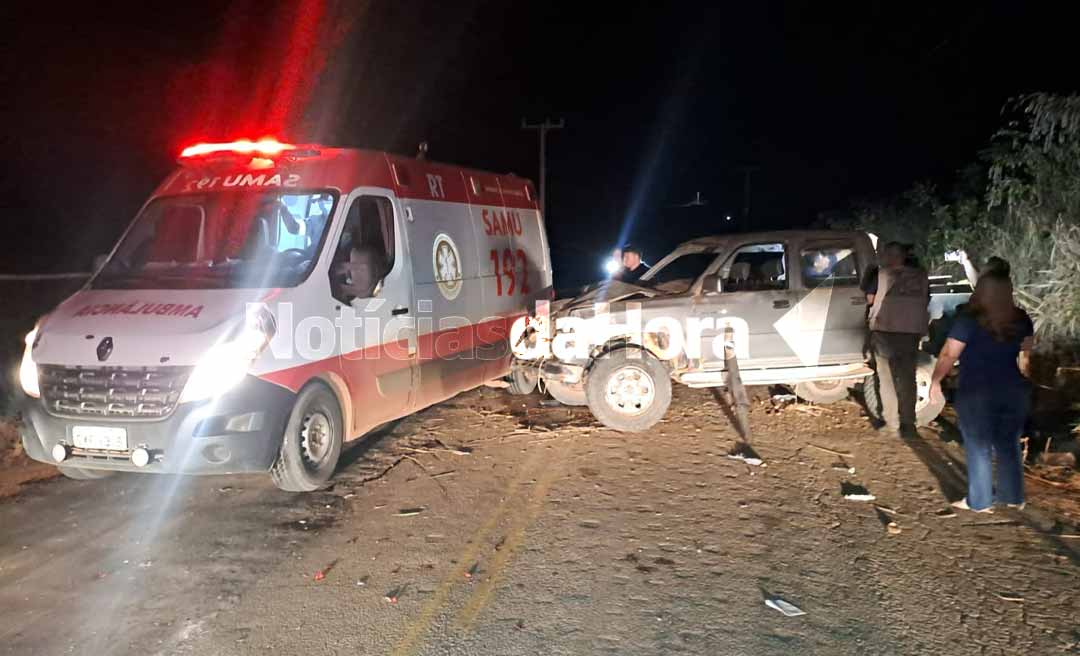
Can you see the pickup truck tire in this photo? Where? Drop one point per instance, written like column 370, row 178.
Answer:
column 823, row 391
column 80, row 474
column 628, row 390
column 567, row 394
column 311, row 445
column 925, row 411
column 523, row 378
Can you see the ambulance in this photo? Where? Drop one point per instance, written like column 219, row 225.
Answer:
column 272, row 301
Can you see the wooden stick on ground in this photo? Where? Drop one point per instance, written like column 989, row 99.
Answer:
column 835, row 453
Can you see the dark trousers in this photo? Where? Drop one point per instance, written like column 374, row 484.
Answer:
column 895, row 356
column 991, row 421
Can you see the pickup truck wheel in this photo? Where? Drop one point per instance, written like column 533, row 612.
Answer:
column 628, row 390
column 312, row 442
column 80, row 474
column 523, row 378
column 566, row 394
column 925, row 410
column 823, row 391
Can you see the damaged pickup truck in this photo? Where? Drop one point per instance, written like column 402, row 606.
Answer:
column 788, row 302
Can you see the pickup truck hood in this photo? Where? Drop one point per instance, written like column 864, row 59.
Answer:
column 607, row 292
column 147, row 327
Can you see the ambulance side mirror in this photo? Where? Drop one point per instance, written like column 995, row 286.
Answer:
column 713, row 284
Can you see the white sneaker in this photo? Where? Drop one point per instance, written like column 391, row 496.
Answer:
column 1016, row 506
column 962, row 504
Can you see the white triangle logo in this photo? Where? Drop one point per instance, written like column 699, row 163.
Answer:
column 803, row 326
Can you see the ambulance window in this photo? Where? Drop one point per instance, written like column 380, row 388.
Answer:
column 365, row 251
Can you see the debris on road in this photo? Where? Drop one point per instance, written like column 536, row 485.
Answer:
column 782, row 400
column 395, row 594
column 839, row 454
column 321, row 574
column 1008, row 596
column 945, row 513
column 788, row 609
column 744, row 452
column 855, row 492
column 409, row 512
column 840, row 465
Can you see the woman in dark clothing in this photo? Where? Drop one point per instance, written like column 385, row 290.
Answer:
column 994, row 396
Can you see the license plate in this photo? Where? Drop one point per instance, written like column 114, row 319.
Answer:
column 105, row 438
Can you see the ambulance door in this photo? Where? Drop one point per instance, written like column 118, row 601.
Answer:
column 445, row 273
column 379, row 351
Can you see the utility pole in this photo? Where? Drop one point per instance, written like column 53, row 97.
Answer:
column 747, row 171
column 543, row 129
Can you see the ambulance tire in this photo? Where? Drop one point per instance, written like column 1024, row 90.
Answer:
column 628, row 390
column 523, row 379
column 80, row 474
column 311, row 445
column 823, row 391
column 565, row 393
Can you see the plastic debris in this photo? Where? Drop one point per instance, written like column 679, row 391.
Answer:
column 853, row 492
column 789, row 610
column 744, row 452
column 409, row 512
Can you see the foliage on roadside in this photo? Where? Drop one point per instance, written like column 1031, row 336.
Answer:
column 1021, row 201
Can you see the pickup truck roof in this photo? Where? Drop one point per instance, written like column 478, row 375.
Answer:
column 715, row 241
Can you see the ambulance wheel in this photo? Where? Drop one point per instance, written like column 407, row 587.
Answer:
column 823, row 391
column 523, row 378
column 628, row 390
column 80, row 474
column 312, row 441
column 565, row 393
column 926, row 410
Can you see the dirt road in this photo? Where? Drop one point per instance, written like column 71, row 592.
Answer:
column 489, row 525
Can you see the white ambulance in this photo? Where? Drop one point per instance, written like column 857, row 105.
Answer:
column 273, row 301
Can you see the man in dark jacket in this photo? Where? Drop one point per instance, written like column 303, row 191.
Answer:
column 633, row 268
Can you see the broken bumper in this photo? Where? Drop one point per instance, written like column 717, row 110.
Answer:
column 238, row 432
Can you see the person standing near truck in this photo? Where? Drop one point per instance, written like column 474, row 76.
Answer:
column 633, row 268
column 898, row 320
column 994, row 395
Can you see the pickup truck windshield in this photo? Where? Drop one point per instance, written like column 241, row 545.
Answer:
column 221, row 240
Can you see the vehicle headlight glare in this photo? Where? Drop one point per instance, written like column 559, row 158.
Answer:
column 225, row 365
column 28, row 373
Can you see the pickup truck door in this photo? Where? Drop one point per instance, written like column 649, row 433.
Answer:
column 756, row 291
column 831, row 302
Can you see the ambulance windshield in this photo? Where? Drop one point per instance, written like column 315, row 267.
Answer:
column 221, row 240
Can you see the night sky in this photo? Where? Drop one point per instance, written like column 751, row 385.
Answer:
column 830, row 102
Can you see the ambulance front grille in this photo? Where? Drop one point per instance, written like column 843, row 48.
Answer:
column 112, row 392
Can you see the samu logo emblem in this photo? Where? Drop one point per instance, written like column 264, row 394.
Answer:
column 446, row 262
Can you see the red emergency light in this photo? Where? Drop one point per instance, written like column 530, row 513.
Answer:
column 263, row 148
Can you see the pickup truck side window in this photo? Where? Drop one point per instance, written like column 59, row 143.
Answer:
column 756, row 267
column 833, row 265
column 365, row 252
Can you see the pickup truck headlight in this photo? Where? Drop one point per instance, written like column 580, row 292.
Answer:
column 226, row 363
column 28, row 373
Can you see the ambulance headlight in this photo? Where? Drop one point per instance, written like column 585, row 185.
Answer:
column 28, row 373
column 225, row 365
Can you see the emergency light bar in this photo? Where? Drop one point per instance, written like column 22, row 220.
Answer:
column 262, row 147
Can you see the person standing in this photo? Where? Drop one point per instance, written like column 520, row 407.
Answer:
column 633, row 268
column 994, row 395
column 898, row 319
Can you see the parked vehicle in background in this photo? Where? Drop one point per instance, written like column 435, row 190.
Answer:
column 271, row 302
